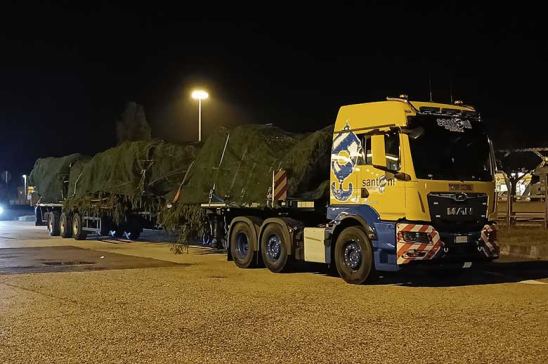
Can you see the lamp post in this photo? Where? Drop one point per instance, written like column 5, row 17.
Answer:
column 25, row 187
column 199, row 95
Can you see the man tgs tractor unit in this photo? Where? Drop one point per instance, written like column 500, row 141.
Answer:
column 411, row 183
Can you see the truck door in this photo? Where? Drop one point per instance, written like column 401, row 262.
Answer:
column 380, row 189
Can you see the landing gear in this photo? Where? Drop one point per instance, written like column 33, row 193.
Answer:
column 131, row 229
column 38, row 217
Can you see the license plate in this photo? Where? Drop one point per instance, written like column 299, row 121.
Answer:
column 461, row 239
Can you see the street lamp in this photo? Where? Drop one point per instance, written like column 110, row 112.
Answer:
column 199, row 95
column 25, row 188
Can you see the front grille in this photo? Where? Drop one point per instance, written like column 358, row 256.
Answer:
column 458, row 212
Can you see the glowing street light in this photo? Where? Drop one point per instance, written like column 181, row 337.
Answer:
column 25, row 188
column 199, row 95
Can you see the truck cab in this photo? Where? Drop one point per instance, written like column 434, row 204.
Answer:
column 419, row 177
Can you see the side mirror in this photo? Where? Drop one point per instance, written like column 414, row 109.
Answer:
column 378, row 151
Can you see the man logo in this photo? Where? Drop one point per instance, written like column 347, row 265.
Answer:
column 460, row 197
column 459, row 211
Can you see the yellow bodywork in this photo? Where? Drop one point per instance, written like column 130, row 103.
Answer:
column 391, row 198
column 381, row 114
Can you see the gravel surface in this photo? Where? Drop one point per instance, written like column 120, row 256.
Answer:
column 208, row 310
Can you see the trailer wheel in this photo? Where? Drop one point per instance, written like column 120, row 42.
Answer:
column 242, row 240
column 354, row 255
column 273, row 248
column 38, row 217
column 77, row 231
column 65, row 226
column 53, row 223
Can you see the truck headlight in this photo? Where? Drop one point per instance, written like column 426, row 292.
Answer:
column 415, row 237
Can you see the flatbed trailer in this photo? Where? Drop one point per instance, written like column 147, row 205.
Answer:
column 98, row 220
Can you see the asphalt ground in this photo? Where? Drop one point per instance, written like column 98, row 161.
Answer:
column 63, row 300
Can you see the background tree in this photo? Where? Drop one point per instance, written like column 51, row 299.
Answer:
column 133, row 124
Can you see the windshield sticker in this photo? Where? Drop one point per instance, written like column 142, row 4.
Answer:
column 454, row 124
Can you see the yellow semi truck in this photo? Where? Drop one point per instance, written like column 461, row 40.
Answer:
column 411, row 183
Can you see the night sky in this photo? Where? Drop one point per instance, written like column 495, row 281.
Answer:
column 66, row 71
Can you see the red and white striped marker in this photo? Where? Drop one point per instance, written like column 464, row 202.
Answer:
column 421, row 251
column 279, row 185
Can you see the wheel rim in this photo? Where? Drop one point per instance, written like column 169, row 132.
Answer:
column 353, row 255
column 242, row 245
column 273, row 247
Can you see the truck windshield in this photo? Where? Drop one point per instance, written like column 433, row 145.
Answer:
column 450, row 147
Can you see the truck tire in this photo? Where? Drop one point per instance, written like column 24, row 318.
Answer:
column 78, row 232
column 273, row 248
column 38, row 217
column 65, row 226
column 242, row 240
column 53, row 223
column 354, row 255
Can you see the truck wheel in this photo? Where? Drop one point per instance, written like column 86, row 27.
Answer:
column 38, row 217
column 242, row 240
column 65, row 226
column 53, row 223
column 273, row 248
column 77, row 231
column 354, row 255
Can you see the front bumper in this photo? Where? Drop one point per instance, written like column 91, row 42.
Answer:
column 444, row 247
